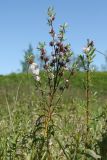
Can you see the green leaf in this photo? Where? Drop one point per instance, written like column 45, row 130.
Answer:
column 81, row 57
column 93, row 154
column 62, row 147
column 92, row 52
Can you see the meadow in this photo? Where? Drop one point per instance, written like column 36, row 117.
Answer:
column 20, row 106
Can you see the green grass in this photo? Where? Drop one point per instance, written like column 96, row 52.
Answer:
column 20, row 106
column 10, row 83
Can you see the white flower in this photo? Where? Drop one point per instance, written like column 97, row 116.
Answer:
column 54, row 57
column 86, row 49
column 67, row 80
column 37, row 78
column 34, row 69
column 50, row 142
column 51, row 75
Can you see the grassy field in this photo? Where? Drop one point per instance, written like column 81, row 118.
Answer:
column 24, row 84
column 21, row 104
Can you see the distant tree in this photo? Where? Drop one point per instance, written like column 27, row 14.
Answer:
column 24, row 63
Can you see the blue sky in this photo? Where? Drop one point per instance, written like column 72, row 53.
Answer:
column 25, row 21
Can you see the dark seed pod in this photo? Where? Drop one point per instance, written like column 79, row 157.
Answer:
column 58, row 44
column 52, row 32
column 62, row 64
column 43, row 51
column 61, row 48
column 53, row 18
column 51, row 43
column 61, row 74
column 42, row 57
column 56, row 50
column 61, row 88
column 46, row 59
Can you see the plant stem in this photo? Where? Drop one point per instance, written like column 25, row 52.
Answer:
column 87, row 103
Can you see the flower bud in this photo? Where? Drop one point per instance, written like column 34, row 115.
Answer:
column 61, row 48
column 51, row 43
column 61, row 88
column 46, row 59
column 52, row 32
column 56, row 50
column 61, row 74
column 86, row 49
column 42, row 57
column 53, row 18
column 43, row 51
column 58, row 44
